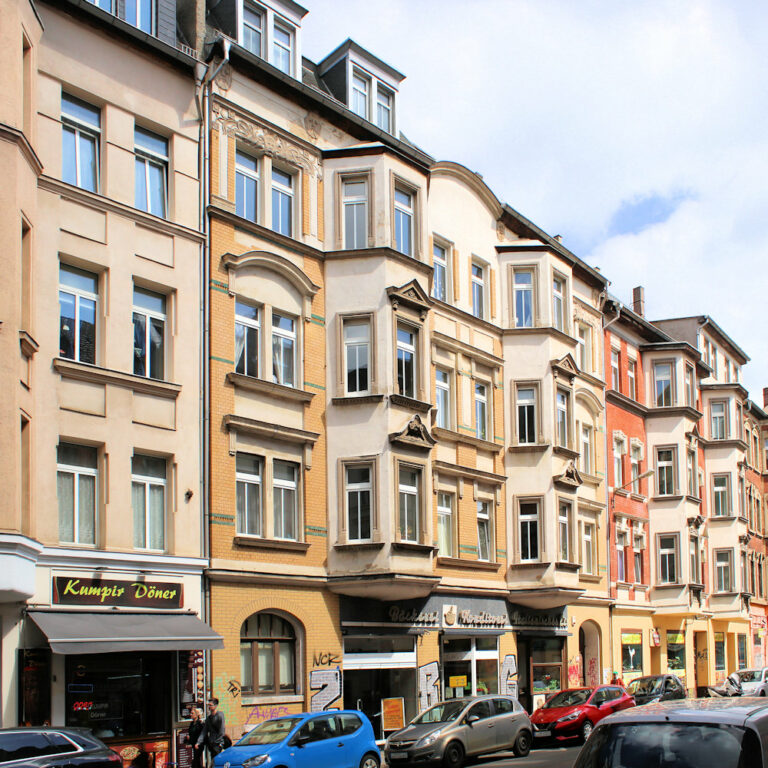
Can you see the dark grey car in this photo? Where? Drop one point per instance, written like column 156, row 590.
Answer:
column 695, row 733
column 450, row 732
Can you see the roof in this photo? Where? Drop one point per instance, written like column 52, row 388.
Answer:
column 363, row 53
column 730, row 711
column 706, row 320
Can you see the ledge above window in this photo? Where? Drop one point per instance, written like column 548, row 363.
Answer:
column 254, row 542
column 562, row 565
column 591, row 578
column 354, row 546
column 269, row 388
column 523, row 447
column 70, row 369
column 560, row 450
column 672, row 497
column 455, row 437
column 410, row 403
column 458, row 562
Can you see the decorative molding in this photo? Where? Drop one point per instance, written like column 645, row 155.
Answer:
column 269, row 388
column 265, row 430
column 565, row 367
column 569, row 477
column 415, row 435
column 445, row 468
column 451, row 436
column 70, row 369
column 28, row 345
column 411, row 295
column 458, row 562
column 488, row 359
column 410, row 403
column 412, row 546
column 254, row 542
column 350, row 400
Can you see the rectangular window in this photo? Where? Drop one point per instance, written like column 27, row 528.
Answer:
column 665, row 471
column 692, row 473
column 76, row 485
column 409, row 480
column 690, row 386
column 526, row 415
column 151, row 162
column 741, row 651
column 484, row 530
column 632, row 653
column 585, row 462
column 721, row 495
column 621, row 557
column 445, row 537
column 523, row 290
column 564, row 531
column 357, row 356
column 442, row 398
column 635, row 459
column 478, row 291
column 253, row 30
column 283, row 350
column 481, row 411
column 562, row 413
column 285, row 500
column 668, row 559
column 558, row 303
column 718, row 414
column 403, row 221
column 359, row 494
column 589, row 548
column 406, row 361
column 638, row 567
column 662, row 377
column 247, row 339
column 81, row 132
column 440, row 274
column 529, row 531
column 694, row 565
column 632, row 379
column 248, row 474
column 282, row 49
column 585, row 347
column 148, row 482
column 619, row 448
column 355, row 204
column 360, row 89
column 149, row 318
column 384, row 99
column 141, row 14
column 246, row 186
column 78, row 299
column 282, row 202
column 615, row 370
column 723, row 570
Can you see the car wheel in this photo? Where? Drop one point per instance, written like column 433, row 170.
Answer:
column 762, row 693
column 453, row 757
column 586, row 729
column 370, row 761
column 522, row 745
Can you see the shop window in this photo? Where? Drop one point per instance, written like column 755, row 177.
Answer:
column 675, row 652
column 445, row 524
column 77, row 476
column 78, row 300
column 268, row 655
column 546, row 665
column 148, row 494
column 248, row 472
column 719, row 652
column 741, row 650
column 631, row 655
column 663, row 384
column 474, row 661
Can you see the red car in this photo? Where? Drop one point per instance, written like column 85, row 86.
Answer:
column 574, row 712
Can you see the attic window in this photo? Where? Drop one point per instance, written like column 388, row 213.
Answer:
column 384, row 99
column 360, row 90
column 253, row 27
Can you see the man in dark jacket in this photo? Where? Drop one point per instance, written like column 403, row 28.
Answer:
column 212, row 735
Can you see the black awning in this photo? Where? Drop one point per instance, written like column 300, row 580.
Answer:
column 71, row 632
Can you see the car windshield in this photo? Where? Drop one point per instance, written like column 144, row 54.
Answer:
column 670, row 745
column 569, row 698
column 748, row 675
column 645, row 685
column 442, row 713
column 269, row 732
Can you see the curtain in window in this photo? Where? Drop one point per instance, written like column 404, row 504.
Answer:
column 156, row 517
column 65, row 486
column 86, row 509
column 138, row 498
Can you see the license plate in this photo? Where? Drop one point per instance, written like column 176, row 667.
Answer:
column 542, row 734
column 398, row 755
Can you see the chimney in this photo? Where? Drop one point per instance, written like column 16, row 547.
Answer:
column 558, row 238
column 638, row 300
column 765, row 397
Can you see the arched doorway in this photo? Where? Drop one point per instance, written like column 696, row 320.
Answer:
column 589, row 649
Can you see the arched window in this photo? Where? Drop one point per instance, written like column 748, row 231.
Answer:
column 267, row 655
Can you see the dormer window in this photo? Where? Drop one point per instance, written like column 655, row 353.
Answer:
column 384, row 101
column 282, row 48
column 360, row 89
column 269, row 29
column 253, row 30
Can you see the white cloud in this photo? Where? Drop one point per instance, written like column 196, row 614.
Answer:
column 569, row 109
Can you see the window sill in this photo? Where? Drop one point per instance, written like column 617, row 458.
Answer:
column 675, row 497
column 411, row 403
column 458, row 562
column 523, row 447
column 562, row 565
column 638, row 497
column 693, row 499
column 254, row 542
column 591, row 578
column 677, row 585
column 724, row 594
column 722, row 518
column 560, row 450
column 279, row 391
column 624, row 584
column 621, row 492
column 459, row 437
column 272, row 698
column 357, row 399
column 531, row 564
column 70, row 369
column 412, row 546
column 358, row 545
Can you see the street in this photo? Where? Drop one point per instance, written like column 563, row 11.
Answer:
column 552, row 757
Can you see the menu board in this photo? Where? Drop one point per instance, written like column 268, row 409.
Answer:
column 392, row 714
column 184, row 751
column 191, row 682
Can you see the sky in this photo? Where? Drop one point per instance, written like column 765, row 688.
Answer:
column 636, row 129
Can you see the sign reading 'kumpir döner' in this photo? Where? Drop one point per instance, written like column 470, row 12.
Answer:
column 70, row 590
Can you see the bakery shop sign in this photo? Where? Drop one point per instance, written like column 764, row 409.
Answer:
column 454, row 616
column 70, row 590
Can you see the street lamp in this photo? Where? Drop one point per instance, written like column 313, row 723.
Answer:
column 647, row 473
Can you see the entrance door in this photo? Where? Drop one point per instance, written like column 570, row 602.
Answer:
column 365, row 688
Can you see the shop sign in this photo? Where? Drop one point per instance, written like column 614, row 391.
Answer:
column 392, row 714
column 675, row 637
column 631, row 638
column 68, row 590
column 457, row 681
column 453, row 617
column 401, row 615
column 536, row 619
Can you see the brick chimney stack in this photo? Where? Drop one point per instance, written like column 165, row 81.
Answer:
column 765, row 397
column 638, row 300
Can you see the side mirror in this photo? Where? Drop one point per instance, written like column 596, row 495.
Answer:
column 300, row 740
column 472, row 719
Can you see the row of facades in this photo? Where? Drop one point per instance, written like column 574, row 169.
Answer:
column 270, row 368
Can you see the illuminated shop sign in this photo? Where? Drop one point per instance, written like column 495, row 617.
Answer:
column 69, row 590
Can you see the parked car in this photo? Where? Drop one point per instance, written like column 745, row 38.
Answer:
column 573, row 713
column 754, row 682
column 650, row 688
column 695, row 733
column 456, row 729
column 55, row 748
column 339, row 738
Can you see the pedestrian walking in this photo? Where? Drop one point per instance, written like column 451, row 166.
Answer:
column 213, row 733
column 193, row 734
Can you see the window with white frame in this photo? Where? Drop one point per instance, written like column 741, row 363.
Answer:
column 253, row 29
column 361, row 88
column 282, row 202
column 283, row 350
column 619, row 449
column 484, row 530
column 585, row 458
column 636, row 456
column 149, row 318
column 247, row 338
column 359, row 487
column 692, row 472
column 690, row 386
column 403, row 213
column 76, row 487
column 742, row 497
column 715, row 357
column 481, row 411
column 406, row 360
column 662, row 378
column 78, row 300
column 695, row 555
column 668, row 570
column 558, row 303
column 355, row 205
column 718, row 415
column 151, row 162
column 141, row 14
column 622, row 542
column 526, row 415
column 148, row 494
column 616, row 370
column 638, row 563
column 357, row 356
column 81, row 135
column 384, row 100
column 246, row 186
column 523, row 298
column 588, row 561
column 282, row 47
column 442, row 398
column 249, row 490
column 478, row 290
column 584, row 341
column 285, row 500
column 564, row 510
column 721, row 495
column 445, row 524
column 440, row 273
column 562, row 413
column 724, row 570
column 632, row 379
column 409, row 503
column 665, row 471
column 529, row 531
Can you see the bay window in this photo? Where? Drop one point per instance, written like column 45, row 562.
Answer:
column 248, row 474
column 359, row 491
column 283, row 350
column 247, row 338
column 357, row 356
column 529, row 531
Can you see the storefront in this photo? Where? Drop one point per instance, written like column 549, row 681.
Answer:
column 119, row 656
column 758, row 625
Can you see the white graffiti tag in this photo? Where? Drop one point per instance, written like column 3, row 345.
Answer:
column 508, row 675
column 327, row 683
column 429, row 685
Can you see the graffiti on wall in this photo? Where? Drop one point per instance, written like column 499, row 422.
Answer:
column 258, row 715
column 325, row 659
column 327, row 683
column 508, row 682
column 574, row 670
column 593, row 673
column 429, row 685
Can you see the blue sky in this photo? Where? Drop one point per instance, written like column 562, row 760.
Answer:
column 636, row 130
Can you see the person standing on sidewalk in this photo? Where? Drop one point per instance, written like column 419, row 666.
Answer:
column 212, row 735
column 193, row 734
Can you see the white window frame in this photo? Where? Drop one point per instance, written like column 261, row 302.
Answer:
column 562, row 421
column 76, row 470
column 404, row 217
column 357, row 347
column 724, row 493
column 360, row 96
column 278, row 24
column 149, row 315
column 80, row 294
column 385, row 102
column 559, row 320
column 662, row 465
column 409, row 491
column 692, row 472
column 528, row 521
column 526, row 404
column 485, row 522
column 585, row 445
column 349, row 204
column 255, row 11
column 152, row 12
column 616, row 370
column 524, row 290
column 723, row 581
column 669, row 555
column 285, row 485
column 718, row 420
column 284, row 334
column 619, row 449
column 445, row 521
column 584, row 342
column 257, row 480
column 635, row 457
column 657, row 396
column 695, row 559
column 250, row 179
column 412, row 349
column 440, row 266
column 151, row 158
column 443, row 409
column 248, row 323
column 148, row 481
column 632, row 379
column 482, row 410
column 690, row 386
column 589, row 548
column 285, row 195
column 564, row 523
column 89, row 131
column 358, row 489
column 479, row 299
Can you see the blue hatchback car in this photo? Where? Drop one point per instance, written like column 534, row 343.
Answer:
column 333, row 739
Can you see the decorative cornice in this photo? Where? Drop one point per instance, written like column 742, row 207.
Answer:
column 569, row 477
column 266, row 429
column 15, row 136
column 456, row 345
column 414, row 435
column 279, row 391
column 274, row 263
column 411, row 295
column 456, row 470
column 28, row 345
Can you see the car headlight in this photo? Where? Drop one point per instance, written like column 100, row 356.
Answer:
column 567, row 718
column 430, row 738
column 256, row 760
